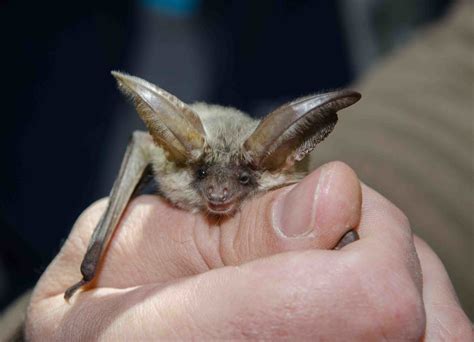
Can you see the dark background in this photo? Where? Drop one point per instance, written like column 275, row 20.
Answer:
column 64, row 126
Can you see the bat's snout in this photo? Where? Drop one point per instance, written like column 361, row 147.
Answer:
column 217, row 194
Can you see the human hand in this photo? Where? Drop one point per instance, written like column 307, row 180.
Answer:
column 171, row 274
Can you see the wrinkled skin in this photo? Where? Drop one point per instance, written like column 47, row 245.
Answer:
column 265, row 273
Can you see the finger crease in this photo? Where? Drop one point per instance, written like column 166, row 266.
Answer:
column 197, row 247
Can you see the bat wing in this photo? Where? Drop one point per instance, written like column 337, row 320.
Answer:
column 290, row 132
column 134, row 172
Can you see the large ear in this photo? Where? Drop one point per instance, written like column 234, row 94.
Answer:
column 290, row 132
column 172, row 124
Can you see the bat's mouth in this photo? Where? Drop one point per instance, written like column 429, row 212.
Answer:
column 219, row 208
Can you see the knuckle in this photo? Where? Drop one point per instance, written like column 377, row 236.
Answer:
column 390, row 299
column 404, row 312
column 408, row 316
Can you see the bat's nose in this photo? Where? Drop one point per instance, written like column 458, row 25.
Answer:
column 217, row 194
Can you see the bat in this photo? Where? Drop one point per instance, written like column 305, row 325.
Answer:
column 211, row 158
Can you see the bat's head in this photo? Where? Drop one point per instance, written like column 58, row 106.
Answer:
column 231, row 158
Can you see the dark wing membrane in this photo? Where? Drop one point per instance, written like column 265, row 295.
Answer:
column 133, row 171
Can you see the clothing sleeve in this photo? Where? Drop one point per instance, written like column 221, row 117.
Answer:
column 12, row 319
column 410, row 138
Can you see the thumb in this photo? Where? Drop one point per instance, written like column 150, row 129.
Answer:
column 315, row 213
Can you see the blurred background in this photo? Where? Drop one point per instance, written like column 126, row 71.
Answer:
column 64, row 126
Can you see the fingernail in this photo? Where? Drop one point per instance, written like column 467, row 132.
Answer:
column 294, row 211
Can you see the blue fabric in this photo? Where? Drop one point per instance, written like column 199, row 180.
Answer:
column 175, row 7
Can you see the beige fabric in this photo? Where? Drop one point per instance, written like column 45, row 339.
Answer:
column 410, row 137
column 11, row 320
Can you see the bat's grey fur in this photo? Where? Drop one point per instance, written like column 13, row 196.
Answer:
column 211, row 158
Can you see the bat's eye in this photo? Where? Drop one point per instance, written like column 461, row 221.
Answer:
column 201, row 173
column 244, row 178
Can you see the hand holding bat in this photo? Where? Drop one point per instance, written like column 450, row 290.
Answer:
column 264, row 273
column 211, row 158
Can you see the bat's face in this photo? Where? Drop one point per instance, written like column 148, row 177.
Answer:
column 224, row 187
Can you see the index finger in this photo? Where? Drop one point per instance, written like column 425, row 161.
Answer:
column 384, row 230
